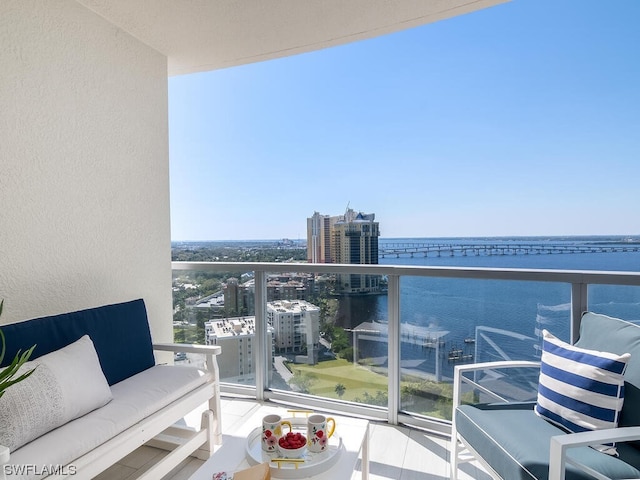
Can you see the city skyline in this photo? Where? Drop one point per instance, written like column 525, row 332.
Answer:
column 517, row 120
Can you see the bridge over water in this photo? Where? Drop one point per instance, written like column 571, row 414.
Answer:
column 452, row 249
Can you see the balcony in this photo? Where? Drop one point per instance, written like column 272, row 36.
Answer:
column 405, row 342
column 396, row 452
column 85, row 185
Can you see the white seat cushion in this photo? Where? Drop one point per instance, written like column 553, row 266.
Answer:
column 133, row 400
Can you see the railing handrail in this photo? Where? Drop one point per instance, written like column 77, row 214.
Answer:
column 488, row 273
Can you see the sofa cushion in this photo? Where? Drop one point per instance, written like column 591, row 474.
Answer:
column 134, row 399
column 496, row 432
column 580, row 389
column 120, row 334
column 66, row 384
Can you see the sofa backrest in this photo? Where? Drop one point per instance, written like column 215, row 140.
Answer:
column 120, row 334
column 608, row 334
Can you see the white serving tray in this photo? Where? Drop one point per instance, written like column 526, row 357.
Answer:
column 314, row 463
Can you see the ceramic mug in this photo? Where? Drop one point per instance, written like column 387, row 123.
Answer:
column 272, row 431
column 318, row 434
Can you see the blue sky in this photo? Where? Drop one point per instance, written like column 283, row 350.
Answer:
column 521, row 119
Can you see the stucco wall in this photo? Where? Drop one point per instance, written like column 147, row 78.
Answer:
column 84, row 169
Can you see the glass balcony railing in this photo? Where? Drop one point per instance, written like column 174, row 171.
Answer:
column 289, row 334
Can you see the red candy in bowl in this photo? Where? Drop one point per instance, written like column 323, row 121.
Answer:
column 292, row 445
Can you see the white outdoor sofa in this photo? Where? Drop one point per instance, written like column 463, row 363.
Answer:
column 513, row 443
column 119, row 401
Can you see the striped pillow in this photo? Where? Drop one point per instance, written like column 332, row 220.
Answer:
column 579, row 389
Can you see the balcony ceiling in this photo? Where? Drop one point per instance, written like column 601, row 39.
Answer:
column 201, row 35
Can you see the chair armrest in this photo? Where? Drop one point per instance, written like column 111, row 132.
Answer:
column 501, row 364
column 459, row 370
column 560, row 444
column 188, row 348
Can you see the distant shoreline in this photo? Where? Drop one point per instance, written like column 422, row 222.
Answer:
column 536, row 238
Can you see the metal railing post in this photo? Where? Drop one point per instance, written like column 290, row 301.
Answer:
column 394, row 353
column 579, row 305
column 261, row 364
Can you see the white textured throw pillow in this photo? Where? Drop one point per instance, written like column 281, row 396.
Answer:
column 580, row 389
column 66, row 384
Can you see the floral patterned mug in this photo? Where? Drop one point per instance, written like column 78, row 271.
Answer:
column 272, row 431
column 317, row 433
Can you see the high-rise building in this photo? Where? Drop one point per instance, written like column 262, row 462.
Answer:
column 351, row 238
column 238, row 298
column 290, row 286
column 319, row 238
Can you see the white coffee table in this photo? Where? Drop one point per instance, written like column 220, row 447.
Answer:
column 232, row 455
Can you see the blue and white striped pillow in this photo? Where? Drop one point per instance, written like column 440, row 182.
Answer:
column 579, row 389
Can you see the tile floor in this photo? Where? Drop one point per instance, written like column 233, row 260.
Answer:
column 396, row 453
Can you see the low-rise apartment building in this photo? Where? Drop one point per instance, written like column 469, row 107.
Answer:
column 297, row 328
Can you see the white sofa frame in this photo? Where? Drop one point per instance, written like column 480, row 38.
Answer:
column 158, row 429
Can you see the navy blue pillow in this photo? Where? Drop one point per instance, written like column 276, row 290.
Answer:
column 120, row 333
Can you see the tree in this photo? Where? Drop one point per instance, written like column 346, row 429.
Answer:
column 201, row 318
column 340, row 341
column 179, row 335
column 381, row 398
column 340, row 388
column 328, row 310
column 347, row 354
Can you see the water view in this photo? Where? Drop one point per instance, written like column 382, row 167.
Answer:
column 448, row 321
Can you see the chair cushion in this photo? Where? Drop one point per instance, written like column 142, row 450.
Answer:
column 134, row 399
column 496, row 432
column 65, row 384
column 621, row 337
column 580, row 389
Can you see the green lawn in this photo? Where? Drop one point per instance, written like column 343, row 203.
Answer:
column 422, row 396
column 327, row 374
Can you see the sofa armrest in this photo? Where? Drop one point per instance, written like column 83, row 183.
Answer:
column 560, row 444
column 210, row 352
column 460, row 370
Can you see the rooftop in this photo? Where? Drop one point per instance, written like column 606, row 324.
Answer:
column 232, row 327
